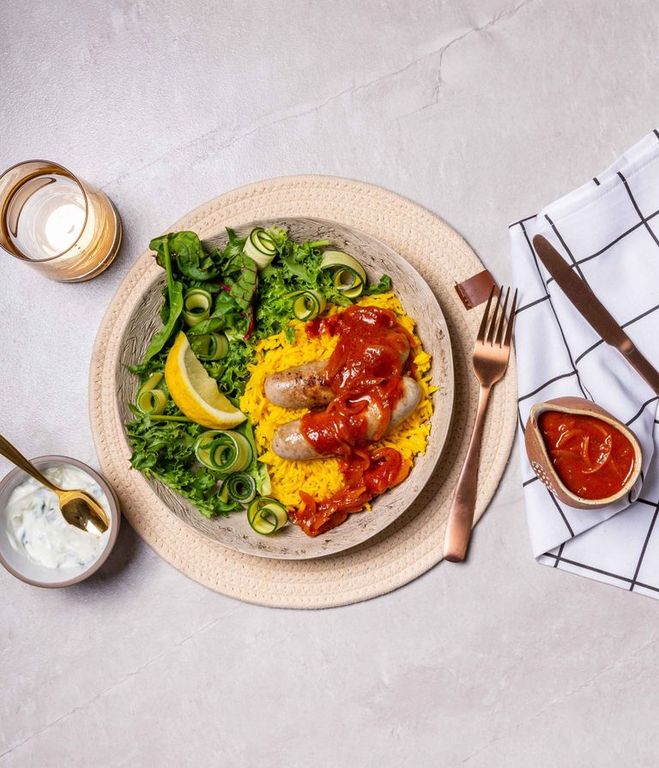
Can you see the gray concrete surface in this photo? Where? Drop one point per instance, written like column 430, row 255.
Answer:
column 482, row 111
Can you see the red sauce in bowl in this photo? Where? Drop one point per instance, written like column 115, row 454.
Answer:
column 593, row 459
column 365, row 373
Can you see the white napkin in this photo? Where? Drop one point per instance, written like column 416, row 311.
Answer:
column 609, row 230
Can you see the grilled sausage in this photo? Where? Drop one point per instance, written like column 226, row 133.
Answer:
column 304, row 386
column 301, row 387
column 289, row 442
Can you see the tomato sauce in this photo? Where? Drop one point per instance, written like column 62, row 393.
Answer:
column 592, row 458
column 365, row 373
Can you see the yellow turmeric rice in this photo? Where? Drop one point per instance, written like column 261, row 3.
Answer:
column 321, row 478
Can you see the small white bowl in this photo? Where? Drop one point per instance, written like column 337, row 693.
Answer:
column 18, row 564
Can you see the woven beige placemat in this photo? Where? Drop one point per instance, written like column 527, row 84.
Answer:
column 413, row 544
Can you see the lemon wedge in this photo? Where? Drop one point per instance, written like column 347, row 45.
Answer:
column 195, row 392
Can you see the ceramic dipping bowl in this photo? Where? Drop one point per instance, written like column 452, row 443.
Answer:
column 541, row 462
column 19, row 564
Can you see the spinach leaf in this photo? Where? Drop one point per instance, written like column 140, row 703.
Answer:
column 226, row 316
column 174, row 303
column 192, row 261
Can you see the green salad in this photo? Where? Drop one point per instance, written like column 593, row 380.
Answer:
column 225, row 300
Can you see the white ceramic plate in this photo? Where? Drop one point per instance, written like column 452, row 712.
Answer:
column 419, row 302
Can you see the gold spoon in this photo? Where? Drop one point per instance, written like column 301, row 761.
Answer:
column 78, row 508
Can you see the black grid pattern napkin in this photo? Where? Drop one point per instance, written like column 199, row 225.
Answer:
column 608, row 230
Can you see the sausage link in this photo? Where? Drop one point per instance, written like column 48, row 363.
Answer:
column 304, row 386
column 288, row 441
column 301, row 387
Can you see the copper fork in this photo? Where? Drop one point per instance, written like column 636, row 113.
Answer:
column 491, row 356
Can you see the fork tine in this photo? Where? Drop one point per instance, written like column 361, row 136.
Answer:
column 483, row 328
column 511, row 322
column 490, row 334
column 502, row 320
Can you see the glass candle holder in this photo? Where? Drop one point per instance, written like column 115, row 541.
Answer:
column 57, row 223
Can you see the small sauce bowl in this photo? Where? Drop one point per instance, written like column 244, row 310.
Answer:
column 543, row 466
column 19, row 564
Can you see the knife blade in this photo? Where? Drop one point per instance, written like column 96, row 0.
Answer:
column 591, row 308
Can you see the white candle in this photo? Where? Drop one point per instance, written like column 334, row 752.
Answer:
column 51, row 218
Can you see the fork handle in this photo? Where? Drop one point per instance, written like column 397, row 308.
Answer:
column 461, row 515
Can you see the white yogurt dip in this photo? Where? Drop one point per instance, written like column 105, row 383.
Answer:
column 36, row 528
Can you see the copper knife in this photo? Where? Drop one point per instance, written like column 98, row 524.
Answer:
column 581, row 295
